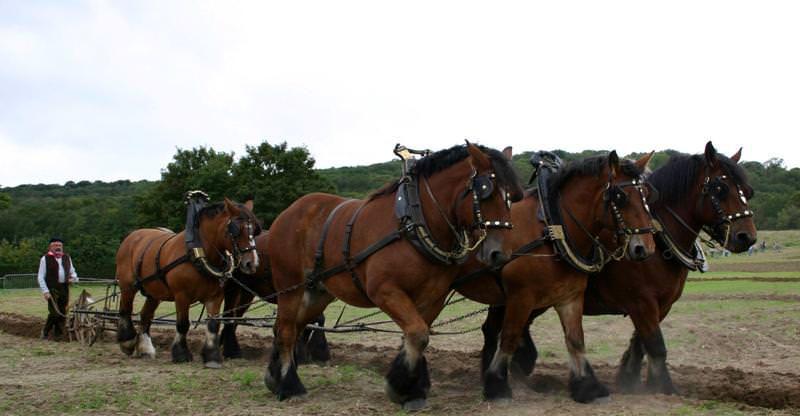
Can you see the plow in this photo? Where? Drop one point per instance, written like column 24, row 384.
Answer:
column 89, row 318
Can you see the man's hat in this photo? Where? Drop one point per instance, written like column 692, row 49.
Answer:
column 56, row 240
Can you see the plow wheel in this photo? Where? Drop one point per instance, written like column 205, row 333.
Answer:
column 83, row 324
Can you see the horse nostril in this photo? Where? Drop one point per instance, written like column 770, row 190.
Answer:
column 497, row 257
column 640, row 252
column 743, row 237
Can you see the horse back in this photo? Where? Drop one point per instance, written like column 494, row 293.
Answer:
column 297, row 230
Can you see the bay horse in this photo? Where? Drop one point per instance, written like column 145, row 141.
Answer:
column 239, row 294
column 409, row 239
column 596, row 206
column 706, row 191
column 166, row 266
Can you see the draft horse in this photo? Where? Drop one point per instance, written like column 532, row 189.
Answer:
column 706, row 192
column 448, row 204
column 580, row 217
column 312, row 345
column 185, row 268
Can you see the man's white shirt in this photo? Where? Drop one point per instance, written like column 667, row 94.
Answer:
column 73, row 276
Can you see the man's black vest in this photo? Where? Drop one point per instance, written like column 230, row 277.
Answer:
column 51, row 265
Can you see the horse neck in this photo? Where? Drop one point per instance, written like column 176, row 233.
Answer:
column 446, row 186
column 213, row 242
column 583, row 197
column 686, row 209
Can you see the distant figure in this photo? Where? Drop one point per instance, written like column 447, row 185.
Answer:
column 763, row 245
column 56, row 272
column 776, row 247
column 751, row 250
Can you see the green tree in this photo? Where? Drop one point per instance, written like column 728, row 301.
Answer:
column 196, row 169
column 5, row 201
column 275, row 176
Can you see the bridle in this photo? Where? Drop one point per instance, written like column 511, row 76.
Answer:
column 616, row 198
column 716, row 189
column 233, row 230
column 481, row 187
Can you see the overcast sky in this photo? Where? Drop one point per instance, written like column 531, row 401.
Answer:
column 108, row 90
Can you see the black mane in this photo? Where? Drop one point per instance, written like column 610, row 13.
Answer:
column 436, row 162
column 678, row 176
column 212, row 210
column 590, row 166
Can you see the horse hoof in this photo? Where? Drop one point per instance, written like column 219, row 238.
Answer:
column 664, row 388
column 500, row 401
column 128, row 346
column 601, row 400
column 587, row 389
column 212, row 364
column 415, row 405
column 232, row 355
column 270, row 383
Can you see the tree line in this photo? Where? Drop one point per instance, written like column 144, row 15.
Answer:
column 93, row 217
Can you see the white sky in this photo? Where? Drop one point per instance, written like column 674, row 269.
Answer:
column 108, row 90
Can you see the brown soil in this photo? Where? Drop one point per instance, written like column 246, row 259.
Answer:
column 455, row 374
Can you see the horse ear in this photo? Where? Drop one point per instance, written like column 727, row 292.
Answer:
column 644, row 160
column 711, row 154
column 231, row 208
column 737, row 156
column 507, row 152
column 613, row 162
column 478, row 159
column 249, row 205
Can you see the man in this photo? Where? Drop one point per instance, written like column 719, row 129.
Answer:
column 56, row 272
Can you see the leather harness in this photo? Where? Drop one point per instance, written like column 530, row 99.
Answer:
column 411, row 226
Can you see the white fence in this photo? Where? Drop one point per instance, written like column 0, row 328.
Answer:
column 28, row 280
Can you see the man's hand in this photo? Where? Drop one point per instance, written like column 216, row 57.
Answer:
column 47, row 296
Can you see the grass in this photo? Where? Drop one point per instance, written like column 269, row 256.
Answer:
column 709, row 407
column 743, row 275
column 742, row 287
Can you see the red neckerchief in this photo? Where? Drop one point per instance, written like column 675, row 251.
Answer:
column 56, row 255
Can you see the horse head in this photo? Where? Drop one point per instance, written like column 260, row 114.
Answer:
column 626, row 204
column 240, row 226
column 491, row 189
column 723, row 204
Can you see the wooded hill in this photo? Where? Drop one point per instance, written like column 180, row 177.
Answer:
column 93, row 217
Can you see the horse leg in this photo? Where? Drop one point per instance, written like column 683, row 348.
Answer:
column 212, row 356
column 144, row 345
column 629, row 376
column 408, row 380
column 180, row 349
column 235, row 299
column 524, row 360
column 658, row 377
column 584, row 386
column 491, row 335
column 495, row 379
column 313, row 345
column 646, row 319
column 126, row 333
column 281, row 376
